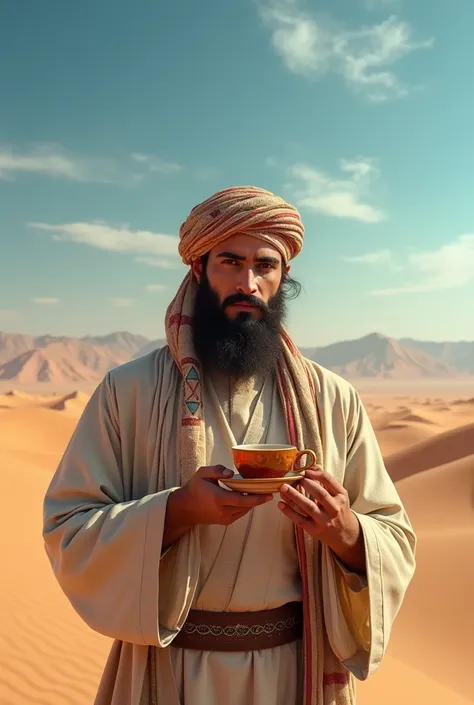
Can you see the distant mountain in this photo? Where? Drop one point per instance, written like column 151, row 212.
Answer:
column 460, row 354
column 127, row 342
column 377, row 356
column 150, row 346
column 69, row 360
column 13, row 344
column 61, row 359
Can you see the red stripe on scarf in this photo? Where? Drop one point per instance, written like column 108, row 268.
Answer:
column 190, row 422
column 300, row 544
column 180, row 320
column 288, row 408
column 336, row 678
column 190, row 361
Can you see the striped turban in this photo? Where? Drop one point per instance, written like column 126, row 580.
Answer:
column 243, row 210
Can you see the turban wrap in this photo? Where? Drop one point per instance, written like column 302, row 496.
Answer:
column 241, row 210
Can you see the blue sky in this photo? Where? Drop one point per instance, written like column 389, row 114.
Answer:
column 118, row 116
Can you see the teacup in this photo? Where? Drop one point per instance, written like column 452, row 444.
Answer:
column 262, row 461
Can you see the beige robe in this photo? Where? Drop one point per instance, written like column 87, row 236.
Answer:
column 251, row 565
column 104, row 515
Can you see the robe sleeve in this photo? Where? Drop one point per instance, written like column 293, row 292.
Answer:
column 104, row 549
column 369, row 605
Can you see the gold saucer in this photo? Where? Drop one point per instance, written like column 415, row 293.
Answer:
column 261, row 485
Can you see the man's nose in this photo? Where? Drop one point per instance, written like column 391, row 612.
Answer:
column 247, row 283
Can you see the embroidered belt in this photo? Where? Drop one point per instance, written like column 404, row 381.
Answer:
column 241, row 631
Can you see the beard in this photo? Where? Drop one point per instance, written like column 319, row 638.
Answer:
column 242, row 346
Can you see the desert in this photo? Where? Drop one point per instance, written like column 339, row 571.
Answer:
column 425, row 428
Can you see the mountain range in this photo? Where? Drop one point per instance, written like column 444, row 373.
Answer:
column 28, row 359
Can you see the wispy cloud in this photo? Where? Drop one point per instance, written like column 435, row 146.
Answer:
column 155, row 164
column 55, row 161
column 147, row 246
column 338, row 197
column 376, row 257
column 155, row 288
column 449, row 267
column 119, row 302
column 313, row 45
column 159, row 262
column 45, row 301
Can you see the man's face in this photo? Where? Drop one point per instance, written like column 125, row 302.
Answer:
column 243, row 272
column 240, row 307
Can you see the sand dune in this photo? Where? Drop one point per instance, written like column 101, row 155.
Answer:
column 443, row 448
column 399, row 683
column 49, row 657
column 73, row 403
column 440, row 499
column 435, row 631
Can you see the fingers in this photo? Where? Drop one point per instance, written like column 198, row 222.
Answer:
column 288, row 502
column 214, row 472
column 321, row 496
column 332, row 486
column 299, row 519
column 301, row 504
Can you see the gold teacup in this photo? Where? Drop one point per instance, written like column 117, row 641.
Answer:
column 259, row 461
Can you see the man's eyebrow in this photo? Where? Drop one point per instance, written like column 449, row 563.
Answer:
column 268, row 259
column 240, row 258
column 231, row 255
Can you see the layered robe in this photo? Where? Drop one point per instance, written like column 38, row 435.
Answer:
column 104, row 515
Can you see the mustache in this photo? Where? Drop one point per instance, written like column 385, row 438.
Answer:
column 244, row 299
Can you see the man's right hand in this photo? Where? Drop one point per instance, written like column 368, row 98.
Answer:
column 205, row 502
column 202, row 501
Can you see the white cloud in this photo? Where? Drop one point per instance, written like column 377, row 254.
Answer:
column 359, row 169
column 54, row 161
column 156, row 164
column 120, row 302
column 159, row 262
column 155, row 288
column 339, row 197
column 103, row 236
column 45, row 301
column 311, row 45
column 449, row 267
column 376, row 257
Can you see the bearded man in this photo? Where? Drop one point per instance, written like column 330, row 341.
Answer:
column 215, row 596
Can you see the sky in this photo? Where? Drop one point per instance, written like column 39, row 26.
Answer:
column 118, row 116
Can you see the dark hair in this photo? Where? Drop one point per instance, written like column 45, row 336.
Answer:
column 291, row 287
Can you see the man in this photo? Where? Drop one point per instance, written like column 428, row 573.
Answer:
column 213, row 596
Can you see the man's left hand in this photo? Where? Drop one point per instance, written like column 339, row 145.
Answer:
column 326, row 515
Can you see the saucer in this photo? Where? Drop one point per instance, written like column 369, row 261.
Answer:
column 261, row 485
